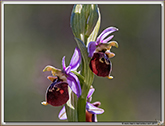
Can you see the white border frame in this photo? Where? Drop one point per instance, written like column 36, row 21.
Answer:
column 77, row 2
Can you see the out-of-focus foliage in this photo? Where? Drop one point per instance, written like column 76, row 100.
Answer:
column 38, row 35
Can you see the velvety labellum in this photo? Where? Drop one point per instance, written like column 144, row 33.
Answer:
column 57, row 93
column 100, row 64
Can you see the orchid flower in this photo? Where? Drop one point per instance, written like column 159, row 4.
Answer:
column 99, row 51
column 62, row 78
column 91, row 109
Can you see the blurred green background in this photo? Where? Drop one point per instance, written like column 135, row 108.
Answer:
column 40, row 35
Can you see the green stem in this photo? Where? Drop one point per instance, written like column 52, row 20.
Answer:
column 81, row 109
column 86, row 82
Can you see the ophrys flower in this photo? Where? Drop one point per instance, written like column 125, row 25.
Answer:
column 61, row 79
column 99, row 50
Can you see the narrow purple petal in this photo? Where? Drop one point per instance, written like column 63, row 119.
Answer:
column 63, row 63
column 76, row 59
column 90, row 92
column 74, row 83
column 92, row 109
column 104, row 36
column 109, row 30
column 107, row 39
column 62, row 115
column 91, row 48
column 67, row 70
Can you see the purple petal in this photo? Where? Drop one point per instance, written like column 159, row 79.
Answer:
column 74, row 83
column 67, row 70
column 107, row 39
column 62, row 115
column 91, row 48
column 93, row 110
column 63, row 63
column 101, row 36
column 76, row 59
column 104, row 35
column 90, row 92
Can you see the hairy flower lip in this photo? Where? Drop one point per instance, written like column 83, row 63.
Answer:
column 100, row 64
column 57, row 93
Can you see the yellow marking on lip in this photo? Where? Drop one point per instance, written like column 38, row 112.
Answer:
column 101, row 60
column 57, row 89
column 107, row 62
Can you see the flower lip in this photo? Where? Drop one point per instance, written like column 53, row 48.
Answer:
column 100, row 64
column 57, row 93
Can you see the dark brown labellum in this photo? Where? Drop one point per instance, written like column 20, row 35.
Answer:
column 57, row 93
column 100, row 64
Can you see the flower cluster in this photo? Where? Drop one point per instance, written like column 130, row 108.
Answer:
column 67, row 83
